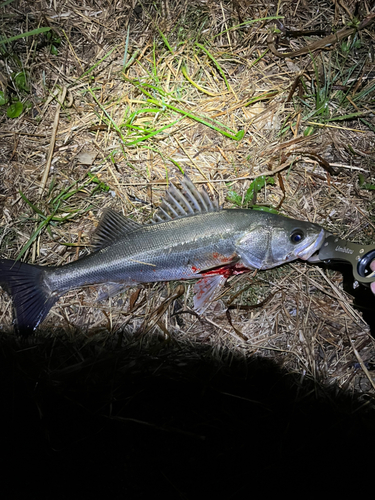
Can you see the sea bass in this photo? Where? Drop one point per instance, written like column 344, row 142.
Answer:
column 191, row 237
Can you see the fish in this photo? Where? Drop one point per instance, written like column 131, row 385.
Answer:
column 191, row 237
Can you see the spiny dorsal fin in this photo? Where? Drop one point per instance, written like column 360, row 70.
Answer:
column 111, row 227
column 182, row 203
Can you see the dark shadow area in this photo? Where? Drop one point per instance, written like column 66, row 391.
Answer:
column 165, row 418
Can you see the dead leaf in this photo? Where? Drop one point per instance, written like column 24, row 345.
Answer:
column 86, row 157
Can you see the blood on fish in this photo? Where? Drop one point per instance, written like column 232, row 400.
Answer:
column 229, row 270
column 223, row 259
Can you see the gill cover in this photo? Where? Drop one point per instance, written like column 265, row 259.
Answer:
column 268, row 246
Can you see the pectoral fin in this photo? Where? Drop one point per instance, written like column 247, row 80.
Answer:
column 206, row 290
column 110, row 290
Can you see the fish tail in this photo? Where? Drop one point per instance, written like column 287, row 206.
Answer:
column 31, row 297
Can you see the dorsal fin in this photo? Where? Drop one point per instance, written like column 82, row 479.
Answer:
column 111, row 227
column 182, row 203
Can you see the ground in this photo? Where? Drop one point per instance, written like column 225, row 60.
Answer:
column 104, row 105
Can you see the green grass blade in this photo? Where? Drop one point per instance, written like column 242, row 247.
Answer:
column 261, row 97
column 215, row 62
column 246, row 23
column 258, row 59
column 7, row 2
column 165, row 41
column 131, row 60
column 184, row 72
column 237, row 136
column 34, row 236
column 176, row 165
column 250, row 196
column 36, row 209
column 363, row 93
column 351, row 116
column 143, row 86
column 255, row 187
column 131, row 118
column 99, row 62
column 368, row 124
column 24, row 35
column 126, row 48
column 234, row 197
column 155, row 132
column 262, row 208
column 106, row 114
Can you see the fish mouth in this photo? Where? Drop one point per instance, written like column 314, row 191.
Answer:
column 306, row 252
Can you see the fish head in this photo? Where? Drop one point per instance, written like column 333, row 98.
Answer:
column 278, row 240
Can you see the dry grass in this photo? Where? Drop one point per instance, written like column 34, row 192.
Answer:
column 119, row 122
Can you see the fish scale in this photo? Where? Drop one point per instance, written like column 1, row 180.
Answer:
column 167, row 251
column 204, row 242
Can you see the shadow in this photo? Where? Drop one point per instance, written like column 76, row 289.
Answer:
column 91, row 422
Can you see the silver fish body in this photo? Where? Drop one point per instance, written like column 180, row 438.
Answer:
column 188, row 247
column 196, row 240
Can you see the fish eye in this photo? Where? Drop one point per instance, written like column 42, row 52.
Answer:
column 297, row 236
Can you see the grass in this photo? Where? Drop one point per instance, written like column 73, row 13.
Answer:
column 249, row 198
column 59, row 209
column 189, row 88
column 332, row 94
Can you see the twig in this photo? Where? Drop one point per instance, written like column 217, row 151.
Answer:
column 60, row 101
column 283, row 166
column 325, row 43
column 343, row 302
column 360, row 360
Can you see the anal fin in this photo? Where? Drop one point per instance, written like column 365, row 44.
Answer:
column 206, row 290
